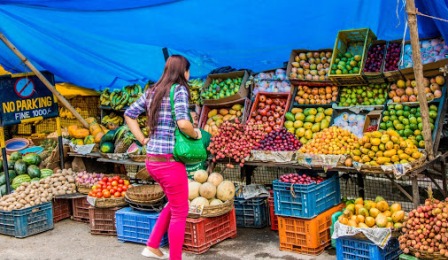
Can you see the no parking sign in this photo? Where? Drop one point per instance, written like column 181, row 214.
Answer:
column 24, row 97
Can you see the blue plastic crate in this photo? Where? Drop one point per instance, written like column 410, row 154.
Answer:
column 252, row 213
column 26, row 222
column 350, row 248
column 136, row 226
column 306, row 201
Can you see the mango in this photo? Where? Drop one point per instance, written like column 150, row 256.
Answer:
column 296, row 110
column 375, row 141
column 398, row 216
column 315, row 128
column 378, row 199
column 212, row 113
column 370, row 222
column 395, row 207
column 390, row 153
column 223, row 111
column 289, row 124
column 382, row 160
column 307, row 125
column 368, row 204
column 362, row 225
column 319, row 117
column 324, row 124
column 226, row 117
column 298, row 124
column 300, row 132
column 359, row 201
column 382, row 206
column 300, row 116
column 238, row 113
column 310, row 118
column 376, row 134
column 237, row 107
column 374, row 212
column 328, row 111
column 381, row 220
column 232, row 112
column 289, row 116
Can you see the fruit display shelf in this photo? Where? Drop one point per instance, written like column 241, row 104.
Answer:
column 362, row 97
column 309, row 66
column 348, row 44
column 278, row 111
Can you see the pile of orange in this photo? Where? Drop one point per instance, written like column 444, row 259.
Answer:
column 333, row 140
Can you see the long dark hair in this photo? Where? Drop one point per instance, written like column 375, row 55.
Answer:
column 174, row 72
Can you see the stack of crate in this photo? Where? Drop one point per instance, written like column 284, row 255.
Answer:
column 304, row 214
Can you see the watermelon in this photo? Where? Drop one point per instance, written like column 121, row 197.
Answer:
column 1, row 165
column 134, row 149
column 45, row 173
column 33, row 171
column 3, row 190
column 20, row 167
column 15, row 156
column 107, row 147
column 108, row 137
column 31, row 159
column 12, row 175
column 19, row 180
column 11, row 164
column 2, row 178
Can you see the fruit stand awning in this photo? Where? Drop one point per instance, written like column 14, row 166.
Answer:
column 114, row 43
column 69, row 90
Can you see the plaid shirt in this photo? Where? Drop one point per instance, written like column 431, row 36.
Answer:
column 162, row 140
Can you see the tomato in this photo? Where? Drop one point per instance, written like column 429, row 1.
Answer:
column 110, row 179
column 120, row 181
column 112, row 191
column 116, row 178
column 109, row 187
column 126, row 182
column 117, row 194
column 114, row 183
column 123, row 193
column 105, row 179
column 119, row 189
column 129, row 186
column 106, row 194
column 124, row 188
column 99, row 195
column 100, row 183
column 91, row 194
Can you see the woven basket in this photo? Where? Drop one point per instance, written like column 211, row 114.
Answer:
column 115, row 156
column 137, row 158
column 214, row 211
column 106, row 203
column 156, row 207
column 379, row 170
column 145, row 203
column 84, row 189
column 143, row 174
column 426, row 255
column 145, row 193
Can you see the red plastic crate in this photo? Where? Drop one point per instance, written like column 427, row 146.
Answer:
column 80, row 209
column 273, row 218
column 61, row 209
column 102, row 221
column 203, row 233
column 306, row 236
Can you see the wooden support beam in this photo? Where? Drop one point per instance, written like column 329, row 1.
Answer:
column 405, row 193
column 415, row 191
column 44, row 80
column 418, row 71
column 437, row 185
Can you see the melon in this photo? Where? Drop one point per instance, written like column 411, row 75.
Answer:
column 133, row 149
column 215, row 178
column 193, row 190
column 199, row 201
column 200, row 176
column 225, row 191
column 215, row 202
column 207, row 190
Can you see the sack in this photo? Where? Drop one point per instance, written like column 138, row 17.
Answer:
column 186, row 149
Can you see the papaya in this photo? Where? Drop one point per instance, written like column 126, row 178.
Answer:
column 95, row 128
column 71, row 130
column 97, row 137
column 223, row 111
column 80, row 133
column 90, row 120
column 237, row 107
column 212, row 113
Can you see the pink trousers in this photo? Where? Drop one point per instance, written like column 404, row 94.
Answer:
column 172, row 177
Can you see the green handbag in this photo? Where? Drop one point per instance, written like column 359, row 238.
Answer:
column 186, row 149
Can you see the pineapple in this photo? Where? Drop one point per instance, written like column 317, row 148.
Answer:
column 123, row 143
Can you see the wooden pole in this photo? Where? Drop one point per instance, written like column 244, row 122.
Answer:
column 418, row 72
column 44, row 80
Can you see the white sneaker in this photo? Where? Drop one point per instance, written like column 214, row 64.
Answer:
column 147, row 253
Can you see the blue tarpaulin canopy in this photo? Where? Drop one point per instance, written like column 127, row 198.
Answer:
column 112, row 43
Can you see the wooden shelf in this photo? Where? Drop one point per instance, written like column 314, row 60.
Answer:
column 89, row 155
column 125, row 162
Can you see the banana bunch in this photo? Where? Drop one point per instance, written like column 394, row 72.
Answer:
column 142, row 120
column 145, row 131
column 105, row 97
column 195, row 90
column 118, row 99
column 135, row 91
column 112, row 118
column 65, row 113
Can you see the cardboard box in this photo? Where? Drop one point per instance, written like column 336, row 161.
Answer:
column 294, row 53
column 242, row 92
column 373, row 117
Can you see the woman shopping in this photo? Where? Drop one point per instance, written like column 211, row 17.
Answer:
column 170, row 174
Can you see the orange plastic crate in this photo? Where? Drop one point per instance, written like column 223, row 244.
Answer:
column 203, row 233
column 80, row 209
column 272, row 216
column 102, row 221
column 306, row 236
column 61, row 209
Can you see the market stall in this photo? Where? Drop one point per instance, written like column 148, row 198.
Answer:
column 285, row 144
